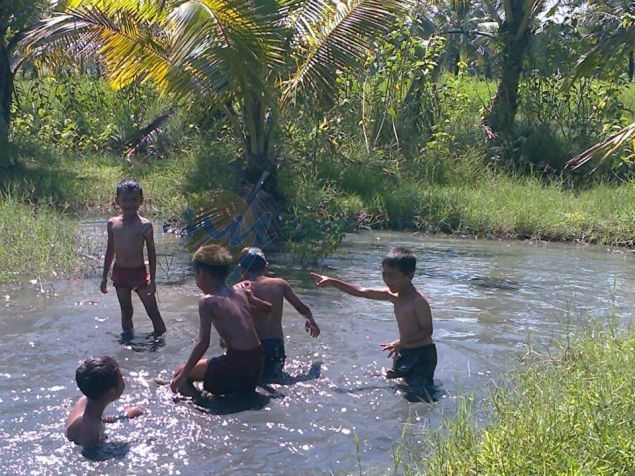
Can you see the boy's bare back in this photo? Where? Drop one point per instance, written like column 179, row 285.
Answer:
column 230, row 313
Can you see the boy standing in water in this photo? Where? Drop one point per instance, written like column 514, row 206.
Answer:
column 101, row 382
column 229, row 310
column 128, row 233
column 415, row 355
column 254, row 266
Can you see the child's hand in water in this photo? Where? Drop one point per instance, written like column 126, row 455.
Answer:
column 134, row 411
column 312, row 328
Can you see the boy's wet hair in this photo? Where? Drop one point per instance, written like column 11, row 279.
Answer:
column 213, row 260
column 129, row 185
column 401, row 258
column 252, row 260
column 97, row 375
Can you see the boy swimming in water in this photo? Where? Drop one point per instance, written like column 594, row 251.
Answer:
column 101, row 382
column 415, row 355
column 254, row 266
column 128, row 233
column 229, row 310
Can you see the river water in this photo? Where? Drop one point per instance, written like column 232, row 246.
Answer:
column 489, row 300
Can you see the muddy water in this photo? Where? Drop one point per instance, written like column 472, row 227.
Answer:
column 489, row 299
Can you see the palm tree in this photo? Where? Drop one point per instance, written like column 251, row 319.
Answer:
column 614, row 44
column 248, row 59
column 515, row 28
column 13, row 19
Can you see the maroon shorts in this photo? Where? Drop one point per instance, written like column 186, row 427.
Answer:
column 130, row 278
column 238, row 371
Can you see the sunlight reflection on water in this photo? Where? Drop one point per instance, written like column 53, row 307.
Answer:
column 337, row 409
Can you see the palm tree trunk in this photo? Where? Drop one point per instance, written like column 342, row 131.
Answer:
column 515, row 35
column 6, row 92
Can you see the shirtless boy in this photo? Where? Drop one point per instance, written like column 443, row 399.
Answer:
column 415, row 355
column 254, row 266
column 229, row 310
column 100, row 380
column 128, row 233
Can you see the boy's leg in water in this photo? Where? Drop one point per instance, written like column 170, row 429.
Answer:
column 125, row 303
column 197, row 374
column 152, row 309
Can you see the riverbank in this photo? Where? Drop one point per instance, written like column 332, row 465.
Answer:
column 567, row 413
column 38, row 196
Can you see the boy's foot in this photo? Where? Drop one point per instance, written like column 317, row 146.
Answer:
column 126, row 336
column 394, row 374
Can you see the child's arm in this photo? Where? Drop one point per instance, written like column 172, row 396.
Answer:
column 204, row 334
column 377, row 294
column 255, row 302
column 110, row 254
column 128, row 413
column 152, row 257
column 310, row 325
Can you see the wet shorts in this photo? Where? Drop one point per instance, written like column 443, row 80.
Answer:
column 131, row 278
column 274, row 358
column 237, row 371
column 416, row 366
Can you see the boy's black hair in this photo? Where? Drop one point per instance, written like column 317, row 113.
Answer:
column 129, row 185
column 212, row 259
column 253, row 260
column 97, row 375
column 401, row 258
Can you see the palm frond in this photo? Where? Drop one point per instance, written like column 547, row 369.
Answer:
column 604, row 149
column 335, row 40
column 621, row 39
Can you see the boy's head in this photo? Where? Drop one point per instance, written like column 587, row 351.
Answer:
column 402, row 259
column 213, row 260
column 129, row 185
column 253, row 260
column 97, row 376
column 398, row 268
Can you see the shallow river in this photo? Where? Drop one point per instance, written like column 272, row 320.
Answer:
column 489, row 300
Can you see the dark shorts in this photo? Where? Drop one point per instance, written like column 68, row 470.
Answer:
column 237, row 371
column 274, row 357
column 416, row 366
column 130, row 278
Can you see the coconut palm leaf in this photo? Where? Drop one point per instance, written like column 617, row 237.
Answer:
column 332, row 40
column 610, row 46
column 604, row 149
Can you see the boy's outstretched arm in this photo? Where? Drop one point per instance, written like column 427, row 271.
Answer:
column 377, row 294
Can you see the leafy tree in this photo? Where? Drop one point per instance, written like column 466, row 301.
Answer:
column 614, row 44
column 15, row 15
column 249, row 60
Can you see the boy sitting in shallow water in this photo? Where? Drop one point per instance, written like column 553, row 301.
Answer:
column 415, row 355
column 229, row 310
column 101, row 382
column 254, row 266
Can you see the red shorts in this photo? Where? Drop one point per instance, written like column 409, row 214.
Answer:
column 238, row 371
column 130, row 278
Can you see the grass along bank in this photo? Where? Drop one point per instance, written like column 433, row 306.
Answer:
column 568, row 414
column 457, row 196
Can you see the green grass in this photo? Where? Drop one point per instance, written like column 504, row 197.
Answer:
column 570, row 414
column 37, row 241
